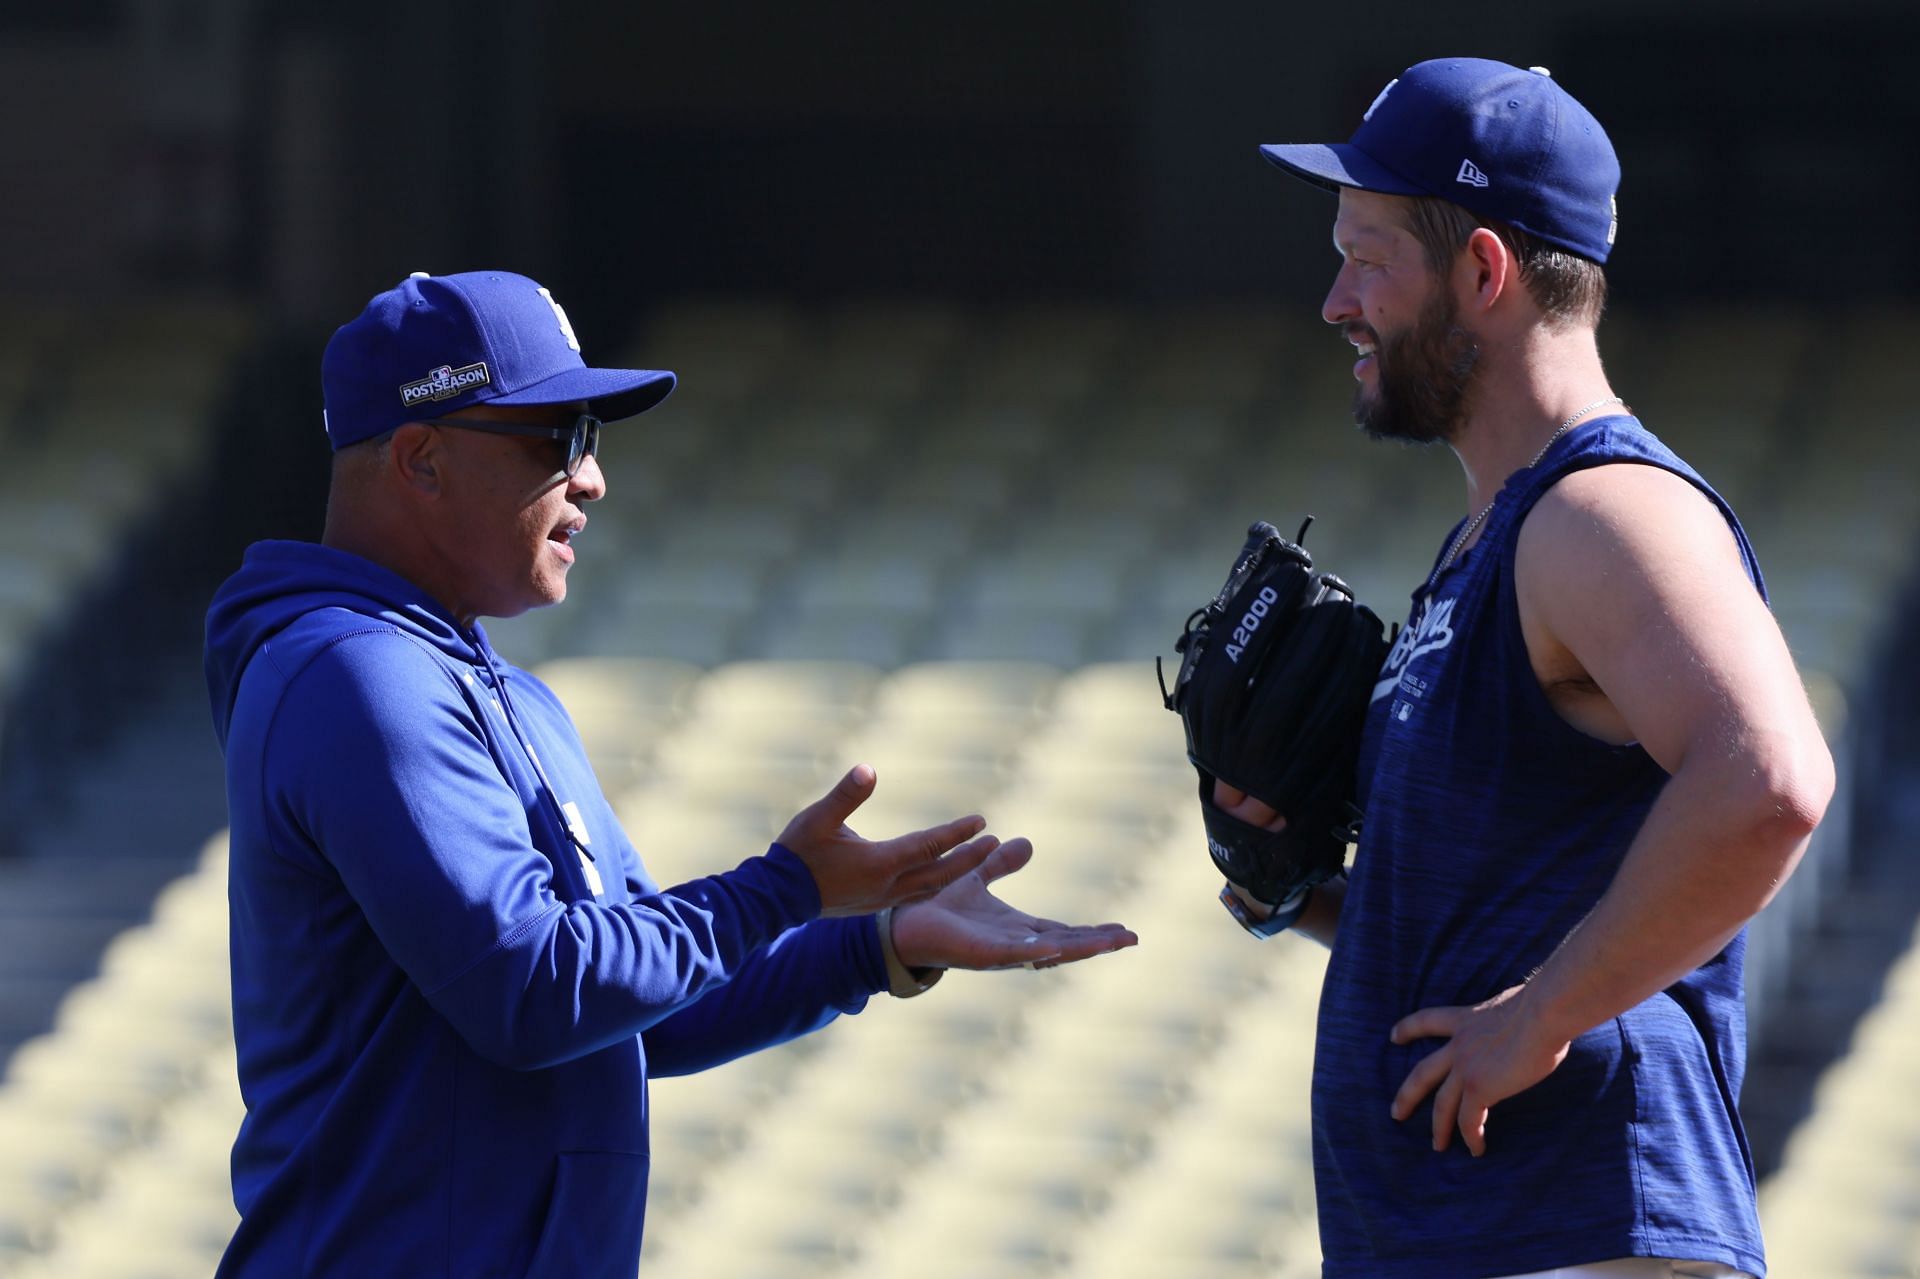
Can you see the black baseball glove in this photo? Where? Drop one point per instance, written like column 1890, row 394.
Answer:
column 1273, row 689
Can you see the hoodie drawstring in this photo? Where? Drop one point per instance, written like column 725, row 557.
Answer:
column 485, row 650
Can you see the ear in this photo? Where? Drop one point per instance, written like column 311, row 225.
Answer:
column 1485, row 271
column 416, row 457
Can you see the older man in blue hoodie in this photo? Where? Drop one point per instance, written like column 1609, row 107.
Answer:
column 452, row 976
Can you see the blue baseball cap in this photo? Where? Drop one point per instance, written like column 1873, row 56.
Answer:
column 433, row 344
column 1509, row 145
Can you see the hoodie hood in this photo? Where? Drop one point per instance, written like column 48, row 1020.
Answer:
column 280, row 582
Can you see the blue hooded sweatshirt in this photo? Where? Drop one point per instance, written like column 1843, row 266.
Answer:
column 451, row 974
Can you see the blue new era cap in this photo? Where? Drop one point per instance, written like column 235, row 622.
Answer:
column 433, row 344
column 1509, row 145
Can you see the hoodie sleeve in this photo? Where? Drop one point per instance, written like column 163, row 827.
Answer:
column 377, row 762
column 805, row 979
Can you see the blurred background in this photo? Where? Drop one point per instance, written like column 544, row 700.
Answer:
column 994, row 333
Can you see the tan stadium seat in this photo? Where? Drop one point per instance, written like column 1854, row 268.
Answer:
column 1154, row 775
column 963, row 1231
column 701, row 636
column 904, row 803
column 1013, row 633
column 830, row 1177
column 1168, row 1235
column 1044, row 583
column 36, row 1191
column 174, row 1004
column 165, row 1208
column 987, row 734
column 745, row 690
column 679, row 840
column 1066, row 773
column 770, row 732
column 1112, row 694
column 709, row 786
column 878, row 637
column 936, row 689
column 875, row 578
column 622, row 707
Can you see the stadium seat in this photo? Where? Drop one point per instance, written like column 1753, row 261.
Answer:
column 750, row 690
column 877, row 637
column 622, row 707
column 949, row 543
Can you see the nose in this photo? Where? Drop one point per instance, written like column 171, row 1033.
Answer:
column 1342, row 302
column 589, row 483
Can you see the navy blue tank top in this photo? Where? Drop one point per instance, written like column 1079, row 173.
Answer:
column 1492, row 828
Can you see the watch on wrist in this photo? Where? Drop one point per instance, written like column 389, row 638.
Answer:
column 1279, row 921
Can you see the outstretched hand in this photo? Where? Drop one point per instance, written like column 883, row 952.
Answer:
column 858, row 876
column 1493, row 1051
column 966, row 926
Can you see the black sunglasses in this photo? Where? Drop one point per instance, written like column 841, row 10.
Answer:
column 582, row 437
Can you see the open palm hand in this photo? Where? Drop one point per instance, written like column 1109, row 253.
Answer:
column 965, row 926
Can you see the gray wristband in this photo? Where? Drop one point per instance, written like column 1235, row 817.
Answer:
column 902, row 982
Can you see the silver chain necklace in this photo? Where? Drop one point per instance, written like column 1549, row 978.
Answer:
column 1467, row 530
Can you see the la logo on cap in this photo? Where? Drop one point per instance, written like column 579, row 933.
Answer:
column 566, row 326
column 1382, row 97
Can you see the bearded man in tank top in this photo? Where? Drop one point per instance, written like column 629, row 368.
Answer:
column 1588, row 759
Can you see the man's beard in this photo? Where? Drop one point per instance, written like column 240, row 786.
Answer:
column 1421, row 376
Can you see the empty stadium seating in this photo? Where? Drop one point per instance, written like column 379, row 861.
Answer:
column 102, row 412
column 950, row 544
column 1846, row 1200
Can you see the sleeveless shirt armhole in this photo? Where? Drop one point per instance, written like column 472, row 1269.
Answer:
column 1509, row 600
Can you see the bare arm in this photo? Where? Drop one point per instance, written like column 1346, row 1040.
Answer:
column 1639, row 614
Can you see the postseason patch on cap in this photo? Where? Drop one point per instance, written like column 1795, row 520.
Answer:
column 444, row 383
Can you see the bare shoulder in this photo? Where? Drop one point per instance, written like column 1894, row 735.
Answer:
column 1597, row 521
column 1628, row 579
column 1627, row 496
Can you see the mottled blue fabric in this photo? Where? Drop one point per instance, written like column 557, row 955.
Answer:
column 1492, row 828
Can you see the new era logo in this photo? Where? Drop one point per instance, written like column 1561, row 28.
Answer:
column 1470, row 174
